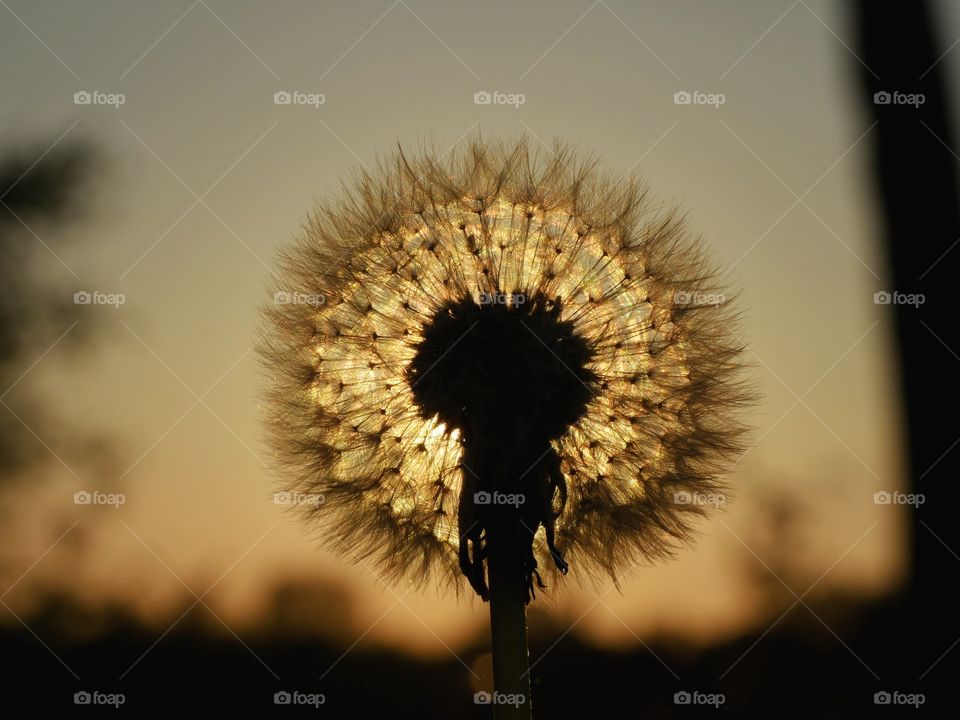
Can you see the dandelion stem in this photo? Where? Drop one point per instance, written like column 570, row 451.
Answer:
column 508, row 622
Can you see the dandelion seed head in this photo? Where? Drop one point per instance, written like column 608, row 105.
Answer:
column 500, row 319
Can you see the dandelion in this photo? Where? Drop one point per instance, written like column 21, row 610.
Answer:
column 513, row 366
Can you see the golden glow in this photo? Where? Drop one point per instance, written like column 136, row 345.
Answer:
column 524, row 247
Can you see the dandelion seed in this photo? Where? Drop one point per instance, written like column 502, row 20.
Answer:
column 511, row 346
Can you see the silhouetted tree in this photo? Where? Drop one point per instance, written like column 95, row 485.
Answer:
column 32, row 312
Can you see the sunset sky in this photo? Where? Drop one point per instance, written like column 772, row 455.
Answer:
column 203, row 176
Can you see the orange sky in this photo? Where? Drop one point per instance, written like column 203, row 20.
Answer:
column 775, row 179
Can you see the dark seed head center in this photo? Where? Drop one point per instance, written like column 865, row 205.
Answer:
column 505, row 371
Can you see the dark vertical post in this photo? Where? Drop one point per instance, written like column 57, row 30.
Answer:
column 915, row 160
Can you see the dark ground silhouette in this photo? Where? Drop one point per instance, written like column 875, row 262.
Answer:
column 797, row 670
